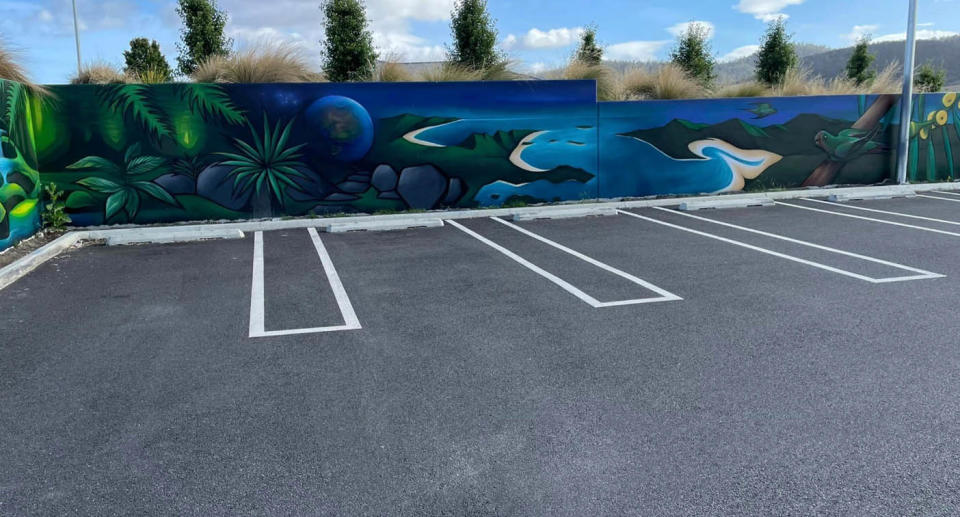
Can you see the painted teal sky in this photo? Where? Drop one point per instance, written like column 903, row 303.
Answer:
column 538, row 34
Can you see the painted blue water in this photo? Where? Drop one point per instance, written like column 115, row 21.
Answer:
column 626, row 167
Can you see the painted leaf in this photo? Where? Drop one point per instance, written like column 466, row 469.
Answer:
column 134, row 98
column 80, row 199
column 115, row 203
column 145, row 165
column 132, row 152
column 209, row 100
column 132, row 205
column 97, row 163
column 154, row 191
column 3, row 212
column 99, row 185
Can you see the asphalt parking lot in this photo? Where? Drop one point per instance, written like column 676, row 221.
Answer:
column 795, row 359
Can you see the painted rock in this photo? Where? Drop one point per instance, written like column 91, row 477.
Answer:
column 384, row 178
column 421, row 187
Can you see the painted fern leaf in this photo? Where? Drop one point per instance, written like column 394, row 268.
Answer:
column 210, row 101
column 133, row 98
column 15, row 105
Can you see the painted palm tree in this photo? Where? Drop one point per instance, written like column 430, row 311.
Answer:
column 267, row 165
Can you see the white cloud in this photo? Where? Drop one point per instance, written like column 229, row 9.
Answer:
column 634, row 50
column 765, row 10
column 860, row 31
column 681, row 28
column 536, row 39
column 921, row 34
column 772, row 17
column 739, row 52
column 300, row 22
column 553, row 38
column 537, row 67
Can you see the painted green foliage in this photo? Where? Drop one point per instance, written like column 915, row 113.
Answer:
column 19, row 180
column 123, row 194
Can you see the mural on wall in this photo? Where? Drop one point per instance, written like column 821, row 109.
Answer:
column 153, row 153
column 19, row 179
column 135, row 153
column 728, row 145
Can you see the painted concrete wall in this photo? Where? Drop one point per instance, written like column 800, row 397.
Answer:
column 136, row 153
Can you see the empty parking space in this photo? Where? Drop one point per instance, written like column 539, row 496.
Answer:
column 490, row 366
column 306, row 295
column 614, row 287
column 803, row 252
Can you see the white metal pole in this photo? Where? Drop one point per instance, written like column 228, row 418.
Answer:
column 76, row 35
column 906, row 101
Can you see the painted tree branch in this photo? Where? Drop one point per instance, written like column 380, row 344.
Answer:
column 827, row 171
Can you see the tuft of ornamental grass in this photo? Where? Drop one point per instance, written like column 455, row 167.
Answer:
column 391, row 71
column 607, row 87
column 100, row 73
column 450, row 72
column 499, row 71
column 151, row 76
column 747, row 89
column 278, row 63
column 666, row 82
column 11, row 70
column 887, row 81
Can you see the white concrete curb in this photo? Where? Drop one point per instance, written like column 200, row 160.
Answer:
column 18, row 269
column 194, row 232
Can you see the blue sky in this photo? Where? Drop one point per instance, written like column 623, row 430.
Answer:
column 538, row 34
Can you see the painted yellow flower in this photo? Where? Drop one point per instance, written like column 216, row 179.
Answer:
column 942, row 117
column 949, row 99
column 931, row 115
column 924, row 134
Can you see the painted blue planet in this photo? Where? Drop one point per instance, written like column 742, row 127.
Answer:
column 342, row 128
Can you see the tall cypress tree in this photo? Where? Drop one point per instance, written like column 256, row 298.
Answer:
column 589, row 52
column 202, row 33
column 474, row 35
column 348, row 53
column 777, row 54
column 860, row 61
column 693, row 54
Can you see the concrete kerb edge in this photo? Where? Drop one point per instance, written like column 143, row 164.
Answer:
column 24, row 265
column 181, row 233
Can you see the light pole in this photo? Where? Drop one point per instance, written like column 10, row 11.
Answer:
column 76, row 35
column 906, row 100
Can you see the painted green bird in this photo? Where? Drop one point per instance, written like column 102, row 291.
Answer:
column 849, row 144
column 761, row 109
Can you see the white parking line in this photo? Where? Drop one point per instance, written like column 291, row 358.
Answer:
column 862, row 218
column 874, row 210
column 940, row 198
column 921, row 274
column 665, row 296
column 257, row 326
column 943, row 192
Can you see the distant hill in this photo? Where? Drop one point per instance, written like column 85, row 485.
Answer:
column 743, row 69
column 829, row 63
